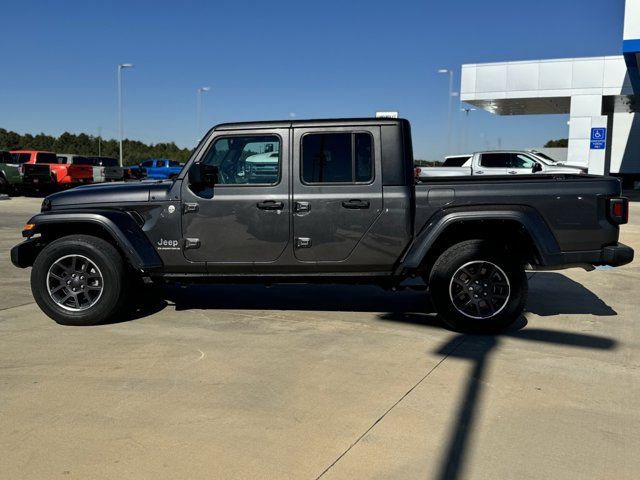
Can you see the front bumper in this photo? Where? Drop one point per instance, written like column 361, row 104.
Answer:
column 24, row 254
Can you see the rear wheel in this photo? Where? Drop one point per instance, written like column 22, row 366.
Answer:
column 476, row 287
column 79, row 280
column 4, row 185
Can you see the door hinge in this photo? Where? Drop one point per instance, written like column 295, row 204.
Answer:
column 190, row 208
column 303, row 242
column 191, row 243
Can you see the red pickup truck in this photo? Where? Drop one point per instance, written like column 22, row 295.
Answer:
column 46, row 170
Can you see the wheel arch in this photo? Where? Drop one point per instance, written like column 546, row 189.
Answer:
column 521, row 229
column 118, row 228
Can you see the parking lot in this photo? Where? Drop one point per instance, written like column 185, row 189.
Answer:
column 331, row 382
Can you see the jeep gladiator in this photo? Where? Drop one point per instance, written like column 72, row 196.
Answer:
column 343, row 207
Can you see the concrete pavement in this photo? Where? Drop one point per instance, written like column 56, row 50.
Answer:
column 337, row 382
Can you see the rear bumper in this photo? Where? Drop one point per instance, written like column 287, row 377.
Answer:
column 612, row 255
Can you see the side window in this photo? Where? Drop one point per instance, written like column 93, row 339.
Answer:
column 160, row 163
column 495, row 160
column 173, row 163
column 523, row 161
column 337, row 158
column 147, row 164
column 247, row 159
column 22, row 157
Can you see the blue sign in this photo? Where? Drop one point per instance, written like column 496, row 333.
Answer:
column 598, row 138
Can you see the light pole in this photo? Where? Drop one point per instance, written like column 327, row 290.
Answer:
column 200, row 91
column 120, row 68
column 466, row 111
column 449, row 115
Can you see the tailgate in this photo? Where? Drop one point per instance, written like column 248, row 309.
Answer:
column 35, row 173
column 80, row 173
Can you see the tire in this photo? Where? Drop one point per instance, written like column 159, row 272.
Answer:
column 478, row 288
column 4, row 186
column 101, row 264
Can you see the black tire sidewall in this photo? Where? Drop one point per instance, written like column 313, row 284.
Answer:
column 106, row 258
column 456, row 256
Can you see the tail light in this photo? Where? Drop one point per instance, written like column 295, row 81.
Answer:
column 416, row 172
column 619, row 210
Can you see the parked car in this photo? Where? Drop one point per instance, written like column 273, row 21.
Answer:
column 262, row 168
column 157, row 169
column 106, row 169
column 344, row 209
column 501, row 163
column 9, row 173
column 43, row 170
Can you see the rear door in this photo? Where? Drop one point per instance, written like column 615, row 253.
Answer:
column 495, row 163
column 337, row 190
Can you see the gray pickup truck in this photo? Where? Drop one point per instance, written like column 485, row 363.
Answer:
column 343, row 207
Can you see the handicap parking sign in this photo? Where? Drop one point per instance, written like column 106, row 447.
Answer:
column 598, row 138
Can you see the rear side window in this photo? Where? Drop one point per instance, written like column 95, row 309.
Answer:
column 337, row 158
column 455, row 161
column 46, row 158
column 496, row 160
column 160, row 163
column 173, row 163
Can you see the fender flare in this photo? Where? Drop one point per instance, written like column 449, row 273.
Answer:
column 120, row 226
column 543, row 238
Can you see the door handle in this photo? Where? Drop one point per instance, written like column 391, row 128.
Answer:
column 479, row 172
column 270, row 205
column 512, row 172
column 356, row 204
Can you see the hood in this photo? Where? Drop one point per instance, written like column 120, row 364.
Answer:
column 564, row 168
column 117, row 192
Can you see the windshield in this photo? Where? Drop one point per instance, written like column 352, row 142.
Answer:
column 545, row 158
column 82, row 161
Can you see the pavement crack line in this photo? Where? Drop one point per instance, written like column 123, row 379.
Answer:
column 447, row 354
column 16, row 306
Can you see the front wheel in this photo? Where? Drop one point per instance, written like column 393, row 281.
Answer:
column 79, row 280
column 478, row 288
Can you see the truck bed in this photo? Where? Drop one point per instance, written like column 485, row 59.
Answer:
column 571, row 205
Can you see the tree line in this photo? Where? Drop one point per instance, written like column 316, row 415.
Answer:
column 134, row 151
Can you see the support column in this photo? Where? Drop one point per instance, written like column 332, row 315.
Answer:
column 586, row 113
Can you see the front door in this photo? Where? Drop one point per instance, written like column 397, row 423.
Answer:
column 337, row 190
column 244, row 218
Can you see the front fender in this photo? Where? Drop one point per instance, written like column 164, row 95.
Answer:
column 118, row 225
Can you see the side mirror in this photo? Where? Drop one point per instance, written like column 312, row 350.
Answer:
column 536, row 168
column 202, row 175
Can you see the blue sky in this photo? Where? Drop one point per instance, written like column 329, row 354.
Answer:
column 271, row 59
